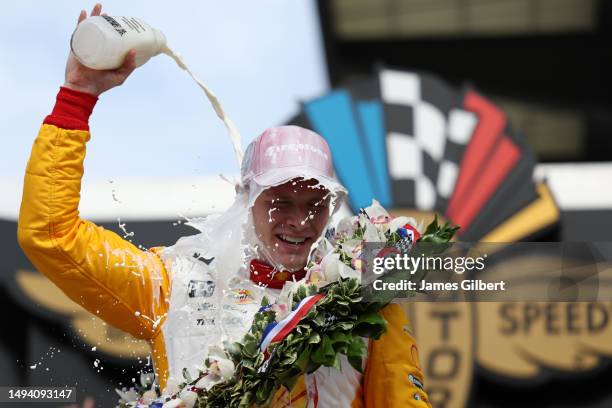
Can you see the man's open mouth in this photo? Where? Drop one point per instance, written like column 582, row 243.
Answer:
column 297, row 241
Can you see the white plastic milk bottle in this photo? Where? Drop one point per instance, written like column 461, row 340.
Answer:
column 101, row 42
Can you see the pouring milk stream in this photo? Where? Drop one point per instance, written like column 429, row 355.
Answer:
column 101, row 42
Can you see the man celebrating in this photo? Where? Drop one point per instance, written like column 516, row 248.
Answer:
column 208, row 286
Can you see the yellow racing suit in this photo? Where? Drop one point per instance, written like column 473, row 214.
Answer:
column 130, row 288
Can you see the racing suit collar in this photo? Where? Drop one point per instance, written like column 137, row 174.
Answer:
column 266, row 275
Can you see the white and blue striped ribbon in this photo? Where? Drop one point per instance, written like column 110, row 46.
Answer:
column 277, row 331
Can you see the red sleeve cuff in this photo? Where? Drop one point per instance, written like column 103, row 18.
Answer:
column 72, row 109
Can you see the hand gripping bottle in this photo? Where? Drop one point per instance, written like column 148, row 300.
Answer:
column 101, row 42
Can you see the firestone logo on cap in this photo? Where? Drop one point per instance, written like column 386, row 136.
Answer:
column 273, row 150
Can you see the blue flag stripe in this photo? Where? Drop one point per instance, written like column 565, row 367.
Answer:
column 333, row 116
column 372, row 122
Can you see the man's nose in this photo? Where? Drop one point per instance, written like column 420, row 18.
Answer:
column 298, row 217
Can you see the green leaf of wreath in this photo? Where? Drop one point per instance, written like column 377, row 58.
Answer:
column 370, row 325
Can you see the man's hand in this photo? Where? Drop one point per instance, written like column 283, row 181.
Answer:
column 81, row 78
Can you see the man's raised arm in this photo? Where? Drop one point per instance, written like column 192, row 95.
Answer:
column 96, row 268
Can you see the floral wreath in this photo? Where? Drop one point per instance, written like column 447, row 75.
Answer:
column 313, row 322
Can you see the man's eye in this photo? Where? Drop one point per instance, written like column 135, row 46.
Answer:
column 318, row 207
column 279, row 204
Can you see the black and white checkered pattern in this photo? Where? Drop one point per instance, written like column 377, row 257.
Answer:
column 427, row 131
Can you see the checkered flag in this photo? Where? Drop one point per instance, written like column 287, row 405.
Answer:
column 404, row 245
column 426, row 133
column 412, row 141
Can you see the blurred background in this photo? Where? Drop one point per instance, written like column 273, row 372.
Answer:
column 545, row 62
column 157, row 149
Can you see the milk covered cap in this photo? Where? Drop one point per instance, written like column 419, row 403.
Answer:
column 283, row 153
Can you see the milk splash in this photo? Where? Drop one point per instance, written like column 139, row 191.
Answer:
column 231, row 127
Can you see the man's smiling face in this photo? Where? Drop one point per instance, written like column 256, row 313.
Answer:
column 289, row 218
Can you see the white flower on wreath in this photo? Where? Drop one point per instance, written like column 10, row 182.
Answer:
column 148, row 397
column 220, row 369
column 175, row 403
column 352, row 247
column 189, row 398
column 281, row 311
column 375, row 233
column 208, row 381
column 314, row 275
column 334, row 269
column 347, row 226
column 321, row 248
column 286, row 297
column 220, row 364
column 127, row 396
column 376, row 213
